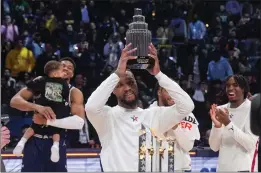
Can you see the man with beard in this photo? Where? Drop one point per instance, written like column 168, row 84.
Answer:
column 231, row 134
column 119, row 127
column 37, row 149
column 183, row 134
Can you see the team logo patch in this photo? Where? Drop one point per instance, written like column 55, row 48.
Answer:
column 53, row 91
column 134, row 118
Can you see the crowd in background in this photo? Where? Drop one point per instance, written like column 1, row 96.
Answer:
column 200, row 43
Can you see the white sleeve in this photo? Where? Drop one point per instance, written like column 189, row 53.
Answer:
column 190, row 125
column 72, row 122
column 164, row 118
column 245, row 138
column 182, row 139
column 186, row 133
column 95, row 108
column 215, row 138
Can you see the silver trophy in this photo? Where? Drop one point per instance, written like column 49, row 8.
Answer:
column 140, row 37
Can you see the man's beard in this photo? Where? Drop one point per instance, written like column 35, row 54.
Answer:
column 131, row 103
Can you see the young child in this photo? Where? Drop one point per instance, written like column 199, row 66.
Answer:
column 52, row 91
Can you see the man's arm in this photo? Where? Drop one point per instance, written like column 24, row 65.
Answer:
column 186, row 132
column 215, row 138
column 246, row 139
column 77, row 109
column 19, row 101
column 77, row 105
column 95, row 108
column 169, row 116
column 182, row 138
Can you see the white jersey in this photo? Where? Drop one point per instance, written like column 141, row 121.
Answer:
column 235, row 142
column 119, row 128
column 184, row 136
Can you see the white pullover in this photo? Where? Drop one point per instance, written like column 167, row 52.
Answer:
column 118, row 128
column 235, row 142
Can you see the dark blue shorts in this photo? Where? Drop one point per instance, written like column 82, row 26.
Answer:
column 37, row 154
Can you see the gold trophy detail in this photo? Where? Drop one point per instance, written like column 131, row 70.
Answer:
column 142, row 152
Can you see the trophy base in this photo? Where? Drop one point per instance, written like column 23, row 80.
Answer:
column 142, row 62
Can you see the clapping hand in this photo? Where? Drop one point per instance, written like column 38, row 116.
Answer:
column 214, row 117
column 223, row 116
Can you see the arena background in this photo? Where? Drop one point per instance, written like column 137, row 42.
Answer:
column 188, row 34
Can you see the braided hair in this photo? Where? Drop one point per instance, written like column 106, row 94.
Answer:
column 242, row 83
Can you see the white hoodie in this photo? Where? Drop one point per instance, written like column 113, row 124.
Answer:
column 118, row 128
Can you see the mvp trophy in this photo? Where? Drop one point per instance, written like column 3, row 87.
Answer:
column 140, row 37
column 146, row 148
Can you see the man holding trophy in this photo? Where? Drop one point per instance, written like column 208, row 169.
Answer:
column 122, row 128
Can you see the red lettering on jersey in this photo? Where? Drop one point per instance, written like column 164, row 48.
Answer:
column 188, row 125
column 182, row 123
column 185, row 125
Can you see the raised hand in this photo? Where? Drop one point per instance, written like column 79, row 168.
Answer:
column 214, row 117
column 125, row 56
column 153, row 53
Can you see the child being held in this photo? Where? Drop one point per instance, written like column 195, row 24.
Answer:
column 51, row 91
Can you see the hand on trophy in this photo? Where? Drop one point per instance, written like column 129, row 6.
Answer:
column 125, row 56
column 153, row 53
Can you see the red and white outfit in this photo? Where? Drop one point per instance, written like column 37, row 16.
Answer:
column 184, row 135
column 235, row 142
column 119, row 128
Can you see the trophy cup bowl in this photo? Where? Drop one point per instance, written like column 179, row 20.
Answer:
column 140, row 37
